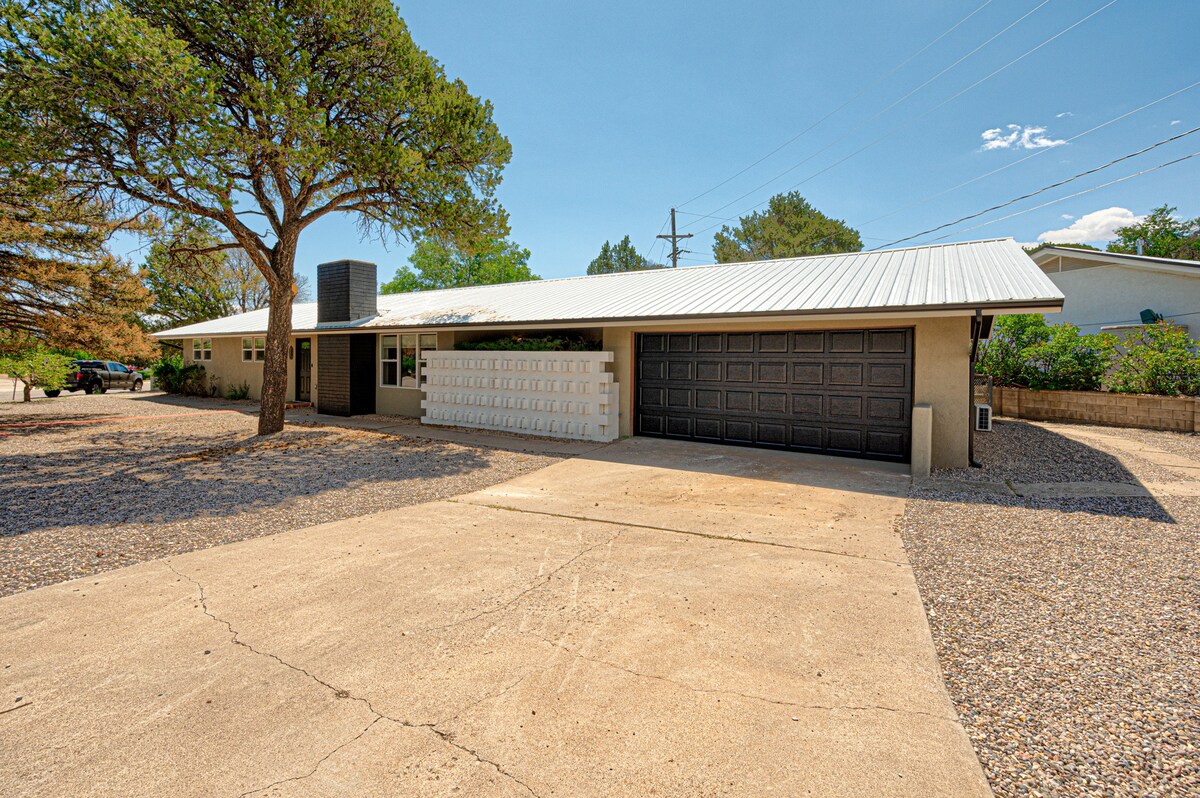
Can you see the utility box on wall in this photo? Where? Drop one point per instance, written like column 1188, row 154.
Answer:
column 555, row 394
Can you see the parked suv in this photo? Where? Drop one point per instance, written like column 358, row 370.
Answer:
column 92, row 376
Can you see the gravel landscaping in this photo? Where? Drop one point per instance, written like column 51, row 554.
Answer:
column 81, row 498
column 1068, row 631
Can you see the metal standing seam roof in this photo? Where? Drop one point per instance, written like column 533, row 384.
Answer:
column 995, row 273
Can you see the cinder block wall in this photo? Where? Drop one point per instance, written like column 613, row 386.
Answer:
column 1174, row 413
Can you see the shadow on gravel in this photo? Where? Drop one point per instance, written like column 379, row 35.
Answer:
column 167, row 471
column 1017, row 452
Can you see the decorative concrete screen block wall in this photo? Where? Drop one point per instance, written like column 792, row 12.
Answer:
column 556, row 394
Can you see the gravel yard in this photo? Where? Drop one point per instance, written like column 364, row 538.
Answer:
column 1068, row 631
column 80, row 498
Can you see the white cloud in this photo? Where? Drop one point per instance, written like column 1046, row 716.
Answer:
column 1025, row 137
column 1176, row 121
column 1095, row 226
column 1066, row 216
column 1064, row 113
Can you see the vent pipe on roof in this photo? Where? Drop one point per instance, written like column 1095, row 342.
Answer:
column 346, row 291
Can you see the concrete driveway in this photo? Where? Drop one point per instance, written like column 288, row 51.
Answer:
column 656, row 618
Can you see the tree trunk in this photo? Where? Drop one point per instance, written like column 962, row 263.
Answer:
column 279, row 336
column 29, row 392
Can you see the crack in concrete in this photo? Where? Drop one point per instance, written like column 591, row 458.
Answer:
column 444, row 736
column 540, row 581
column 691, row 532
column 749, row 696
column 320, row 761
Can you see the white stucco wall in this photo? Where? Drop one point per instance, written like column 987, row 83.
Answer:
column 1109, row 294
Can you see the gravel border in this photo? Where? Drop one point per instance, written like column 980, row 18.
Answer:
column 1068, row 632
column 82, row 498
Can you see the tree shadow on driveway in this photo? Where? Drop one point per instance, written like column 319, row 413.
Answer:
column 1024, row 464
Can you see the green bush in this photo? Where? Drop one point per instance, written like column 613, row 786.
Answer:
column 235, row 392
column 172, row 375
column 1159, row 359
column 543, row 343
column 1025, row 351
column 1068, row 361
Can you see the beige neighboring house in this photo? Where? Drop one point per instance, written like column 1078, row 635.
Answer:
column 1107, row 291
column 862, row 354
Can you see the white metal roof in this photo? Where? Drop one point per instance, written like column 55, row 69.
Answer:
column 1048, row 254
column 993, row 274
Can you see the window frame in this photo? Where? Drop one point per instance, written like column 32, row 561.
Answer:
column 256, row 351
column 417, row 348
column 201, row 349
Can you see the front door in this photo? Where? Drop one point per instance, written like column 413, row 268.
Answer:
column 303, row 370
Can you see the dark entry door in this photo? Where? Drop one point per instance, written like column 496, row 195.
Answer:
column 303, row 370
column 845, row 392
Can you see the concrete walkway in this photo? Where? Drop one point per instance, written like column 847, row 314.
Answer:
column 654, row 618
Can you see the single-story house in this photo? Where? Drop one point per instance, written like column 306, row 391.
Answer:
column 1108, row 291
column 827, row 354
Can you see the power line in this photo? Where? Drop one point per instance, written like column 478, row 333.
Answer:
column 888, row 134
column 1042, row 190
column 867, row 87
column 1031, row 155
column 1071, row 196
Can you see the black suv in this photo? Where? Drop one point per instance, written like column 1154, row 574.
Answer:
column 92, row 376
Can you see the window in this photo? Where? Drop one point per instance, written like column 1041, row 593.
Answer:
column 254, row 349
column 399, row 357
column 201, row 349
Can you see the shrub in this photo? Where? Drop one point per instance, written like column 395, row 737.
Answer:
column 172, row 375
column 1068, row 361
column 1003, row 354
column 542, row 343
column 1159, row 359
column 235, row 392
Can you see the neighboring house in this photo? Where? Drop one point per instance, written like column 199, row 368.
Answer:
column 825, row 354
column 1107, row 291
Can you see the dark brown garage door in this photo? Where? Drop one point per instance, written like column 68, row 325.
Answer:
column 846, row 392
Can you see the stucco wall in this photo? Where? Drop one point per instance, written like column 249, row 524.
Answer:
column 397, row 401
column 227, row 369
column 941, row 371
column 1102, row 295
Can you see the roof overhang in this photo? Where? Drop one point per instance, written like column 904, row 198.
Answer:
column 1049, row 255
column 872, row 314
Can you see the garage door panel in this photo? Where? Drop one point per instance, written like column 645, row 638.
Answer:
column 708, row 429
column 835, row 391
column 887, row 375
column 739, row 372
column 739, row 431
column 769, row 434
column 808, row 373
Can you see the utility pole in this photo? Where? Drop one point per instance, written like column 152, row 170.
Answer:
column 675, row 239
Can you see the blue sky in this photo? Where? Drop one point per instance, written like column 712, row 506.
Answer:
column 618, row 111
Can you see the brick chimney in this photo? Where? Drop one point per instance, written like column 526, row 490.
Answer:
column 346, row 291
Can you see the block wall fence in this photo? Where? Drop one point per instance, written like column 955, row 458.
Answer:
column 1174, row 413
column 555, row 394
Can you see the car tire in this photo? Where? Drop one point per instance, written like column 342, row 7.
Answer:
column 89, row 389
column 99, row 388
column 137, row 385
column 52, row 394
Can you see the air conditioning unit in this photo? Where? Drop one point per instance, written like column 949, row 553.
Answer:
column 983, row 418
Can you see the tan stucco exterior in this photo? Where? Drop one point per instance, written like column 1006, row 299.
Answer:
column 227, row 369
column 941, row 371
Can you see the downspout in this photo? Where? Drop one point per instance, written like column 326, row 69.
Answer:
column 976, row 329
